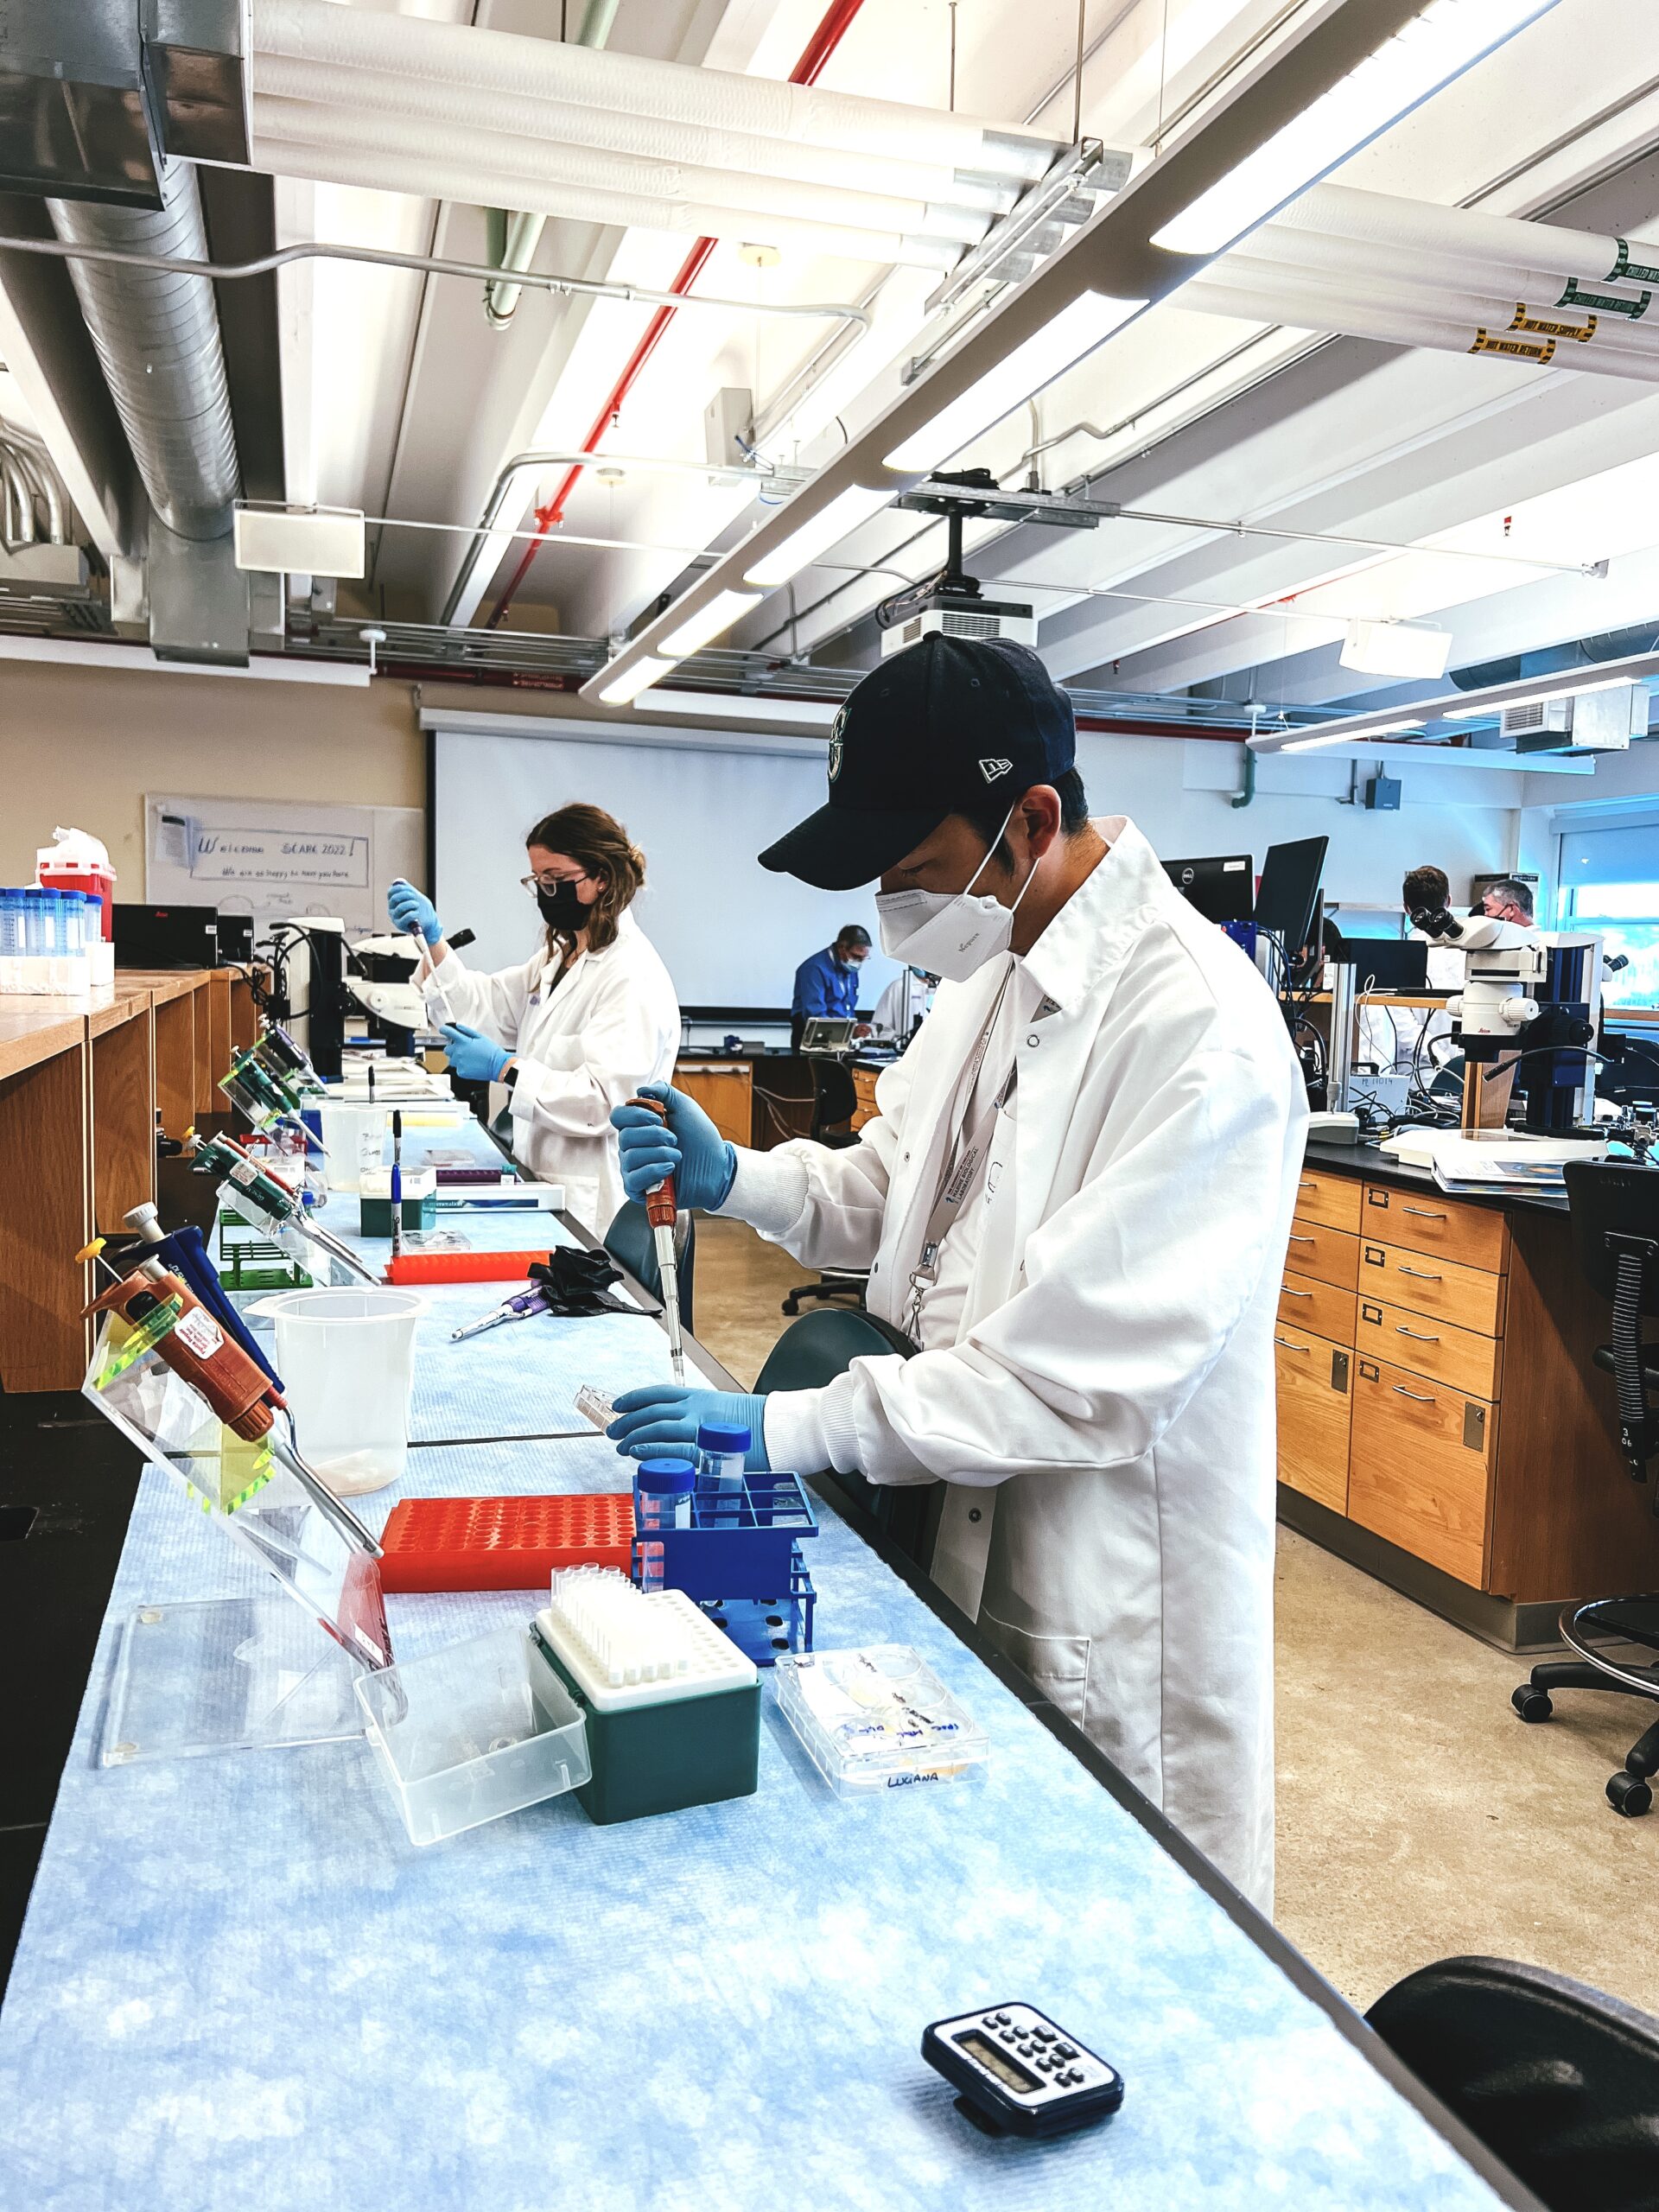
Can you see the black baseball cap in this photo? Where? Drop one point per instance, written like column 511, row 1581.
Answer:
column 934, row 728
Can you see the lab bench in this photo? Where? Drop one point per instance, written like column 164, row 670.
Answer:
column 81, row 1081
column 1441, row 1421
column 239, row 1983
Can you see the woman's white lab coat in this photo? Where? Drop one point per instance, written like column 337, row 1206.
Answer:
column 1105, row 1418
column 583, row 1047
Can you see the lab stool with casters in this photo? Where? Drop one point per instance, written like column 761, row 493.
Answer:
column 810, row 1353
column 835, row 1101
column 631, row 1244
column 1558, row 2081
column 1615, row 1211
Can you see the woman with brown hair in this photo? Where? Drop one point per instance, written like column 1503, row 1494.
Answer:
column 581, row 1024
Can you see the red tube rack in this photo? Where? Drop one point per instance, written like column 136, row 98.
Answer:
column 503, row 1543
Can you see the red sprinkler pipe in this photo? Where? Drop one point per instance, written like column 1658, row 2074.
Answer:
column 832, row 29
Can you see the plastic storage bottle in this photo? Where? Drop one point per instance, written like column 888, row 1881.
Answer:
column 662, row 1499
column 721, row 1453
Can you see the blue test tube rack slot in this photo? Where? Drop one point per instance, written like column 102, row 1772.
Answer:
column 739, row 1557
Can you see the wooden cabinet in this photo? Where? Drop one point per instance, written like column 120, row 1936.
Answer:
column 864, row 1082
column 1474, row 1236
column 1423, row 1283
column 1331, row 1200
column 1306, row 1303
column 724, row 1091
column 1419, row 1467
column 1327, row 1255
column 1429, row 1347
column 1314, row 1404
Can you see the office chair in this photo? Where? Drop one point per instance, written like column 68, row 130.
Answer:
column 813, row 1352
column 1558, row 2081
column 630, row 1243
column 835, row 1101
column 1615, row 1210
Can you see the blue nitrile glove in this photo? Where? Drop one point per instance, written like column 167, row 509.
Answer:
column 472, row 1056
column 412, row 910
column 688, row 1147
column 663, row 1415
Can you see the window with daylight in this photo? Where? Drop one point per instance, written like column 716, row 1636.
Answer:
column 1610, row 883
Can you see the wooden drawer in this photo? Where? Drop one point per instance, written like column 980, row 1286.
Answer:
column 864, row 1081
column 1429, row 1347
column 1333, row 1199
column 722, row 1090
column 1313, row 1409
column 1327, row 1255
column 1420, row 1468
column 1424, row 1284
column 1474, row 1236
column 1306, row 1304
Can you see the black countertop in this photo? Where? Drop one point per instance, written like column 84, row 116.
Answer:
column 1377, row 1165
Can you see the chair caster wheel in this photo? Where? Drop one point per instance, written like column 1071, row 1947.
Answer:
column 791, row 1306
column 1531, row 1704
column 1629, row 1795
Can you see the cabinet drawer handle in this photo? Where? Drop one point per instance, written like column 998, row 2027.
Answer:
column 1288, row 1344
column 1423, row 1213
column 1288, row 1293
column 1400, row 1391
column 1416, row 1336
column 1421, row 1275
column 1304, row 1240
column 1308, row 1184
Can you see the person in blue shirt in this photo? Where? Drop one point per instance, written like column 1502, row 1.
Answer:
column 828, row 983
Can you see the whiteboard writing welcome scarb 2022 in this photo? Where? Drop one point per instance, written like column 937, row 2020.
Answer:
column 731, row 933
column 276, row 858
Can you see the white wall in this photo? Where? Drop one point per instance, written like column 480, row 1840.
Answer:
column 1622, row 779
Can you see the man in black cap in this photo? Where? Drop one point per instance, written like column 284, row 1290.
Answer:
column 1074, row 1200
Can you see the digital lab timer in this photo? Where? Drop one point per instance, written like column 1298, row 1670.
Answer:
column 1019, row 2074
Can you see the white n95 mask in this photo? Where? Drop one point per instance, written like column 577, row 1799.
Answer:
column 949, row 932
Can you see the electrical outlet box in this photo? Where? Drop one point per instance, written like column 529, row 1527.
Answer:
column 1382, row 794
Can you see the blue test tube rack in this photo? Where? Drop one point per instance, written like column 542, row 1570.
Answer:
column 739, row 1558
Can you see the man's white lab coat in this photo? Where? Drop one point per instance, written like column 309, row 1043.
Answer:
column 612, row 1023
column 1105, row 1419
column 905, row 1001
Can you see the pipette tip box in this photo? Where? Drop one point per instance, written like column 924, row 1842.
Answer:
column 672, row 1706
column 878, row 1718
column 503, row 1543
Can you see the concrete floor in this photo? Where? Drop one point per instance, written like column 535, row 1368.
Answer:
column 1418, row 1816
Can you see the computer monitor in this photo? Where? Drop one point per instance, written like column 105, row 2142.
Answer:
column 1290, row 888
column 1222, row 888
column 826, row 1032
column 1385, row 963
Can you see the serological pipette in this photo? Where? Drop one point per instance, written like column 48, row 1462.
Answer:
column 660, row 1212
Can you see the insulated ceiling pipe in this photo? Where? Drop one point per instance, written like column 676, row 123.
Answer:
column 426, row 177
column 410, row 46
column 156, row 335
column 520, row 234
column 1488, row 241
column 758, row 200
column 555, row 123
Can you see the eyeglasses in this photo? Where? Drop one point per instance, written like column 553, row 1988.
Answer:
column 549, row 882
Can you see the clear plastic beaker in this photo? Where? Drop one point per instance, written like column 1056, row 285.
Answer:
column 346, row 1358
column 354, row 1137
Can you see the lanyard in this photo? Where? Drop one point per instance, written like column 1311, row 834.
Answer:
column 959, row 1172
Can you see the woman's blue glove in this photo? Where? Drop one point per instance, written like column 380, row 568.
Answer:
column 665, row 1417
column 412, row 910
column 688, row 1147
column 472, row 1056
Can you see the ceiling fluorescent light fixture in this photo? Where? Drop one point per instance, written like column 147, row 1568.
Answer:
column 837, row 519
column 1414, row 648
column 1442, row 42
column 623, row 689
column 1533, row 699
column 1350, row 736
column 1019, row 375
column 708, row 622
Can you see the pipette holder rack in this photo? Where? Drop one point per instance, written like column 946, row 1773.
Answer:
column 251, row 1259
column 739, row 1558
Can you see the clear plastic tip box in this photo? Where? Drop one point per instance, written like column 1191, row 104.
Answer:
column 878, row 1718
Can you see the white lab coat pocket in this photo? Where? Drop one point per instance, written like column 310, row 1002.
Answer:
column 1058, row 1665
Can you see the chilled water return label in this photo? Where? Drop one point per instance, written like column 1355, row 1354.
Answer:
column 199, row 1332
column 1637, row 272
column 1608, row 302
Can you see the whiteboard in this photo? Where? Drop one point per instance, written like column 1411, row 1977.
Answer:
column 731, row 933
column 273, row 858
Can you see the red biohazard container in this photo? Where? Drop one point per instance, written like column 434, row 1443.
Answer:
column 78, row 862
column 503, row 1543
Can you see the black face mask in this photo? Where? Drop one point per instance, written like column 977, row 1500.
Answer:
column 562, row 908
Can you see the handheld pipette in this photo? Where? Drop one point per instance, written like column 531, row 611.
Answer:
column 396, row 1180
column 270, row 1197
column 660, row 1211
column 523, row 1306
